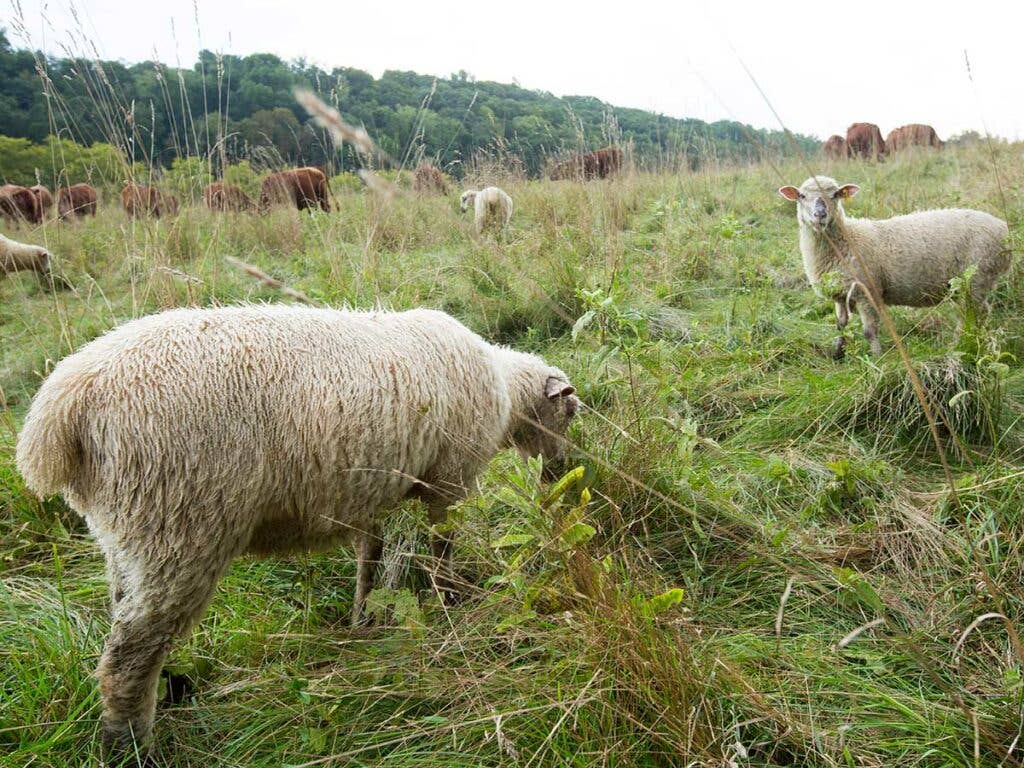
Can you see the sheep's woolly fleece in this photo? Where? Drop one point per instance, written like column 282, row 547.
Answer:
column 22, row 257
column 491, row 205
column 243, row 417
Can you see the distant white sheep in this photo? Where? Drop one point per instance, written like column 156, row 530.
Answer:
column 23, row 257
column 491, row 206
column 906, row 260
column 190, row 437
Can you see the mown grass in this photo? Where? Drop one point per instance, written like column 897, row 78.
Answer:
column 793, row 499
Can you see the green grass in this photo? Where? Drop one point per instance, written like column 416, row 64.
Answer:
column 725, row 454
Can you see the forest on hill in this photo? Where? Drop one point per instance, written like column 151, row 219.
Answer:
column 234, row 107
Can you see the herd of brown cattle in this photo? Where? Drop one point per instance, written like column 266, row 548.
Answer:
column 302, row 188
column 864, row 140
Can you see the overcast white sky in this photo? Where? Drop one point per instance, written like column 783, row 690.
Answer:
column 821, row 64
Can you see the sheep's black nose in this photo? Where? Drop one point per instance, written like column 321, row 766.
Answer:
column 820, row 211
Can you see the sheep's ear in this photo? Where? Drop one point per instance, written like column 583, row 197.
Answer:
column 789, row 192
column 847, row 190
column 555, row 388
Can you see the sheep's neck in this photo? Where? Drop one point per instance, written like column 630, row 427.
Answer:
column 826, row 251
column 517, row 379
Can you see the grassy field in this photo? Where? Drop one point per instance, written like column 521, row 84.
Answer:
column 692, row 597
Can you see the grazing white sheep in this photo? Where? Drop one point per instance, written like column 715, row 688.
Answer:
column 193, row 436
column 491, row 206
column 906, row 260
column 23, row 257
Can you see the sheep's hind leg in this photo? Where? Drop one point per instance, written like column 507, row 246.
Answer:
column 147, row 619
column 116, row 580
column 869, row 319
column 132, row 657
column 369, row 548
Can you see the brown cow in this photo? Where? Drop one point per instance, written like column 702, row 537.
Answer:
column 913, row 135
column 220, row 196
column 143, row 200
column 77, row 200
column 44, row 197
column 302, row 187
column 865, row 141
column 428, row 180
column 836, row 148
column 19, row 204
column 599, row 164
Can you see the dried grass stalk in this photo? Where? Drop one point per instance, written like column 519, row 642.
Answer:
column 270, row 282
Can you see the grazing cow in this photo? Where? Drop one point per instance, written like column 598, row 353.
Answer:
column 305, row 188
column 836, row 148
column 44, row 197
column 78, row 200
column 19, row 204
column 428, row 180
column 913, row 135
column 600, row 164
column 865, row 140
column 220, row 196
column 142, row 200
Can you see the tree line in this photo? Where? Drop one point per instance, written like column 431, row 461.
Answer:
column 228, row 108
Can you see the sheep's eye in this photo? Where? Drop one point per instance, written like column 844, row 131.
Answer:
column 802, row 195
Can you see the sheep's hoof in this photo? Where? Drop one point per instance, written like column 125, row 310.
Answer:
column 839, row 348
column 120, row 750
column 179, row 687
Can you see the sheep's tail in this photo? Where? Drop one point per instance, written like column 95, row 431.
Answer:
column 49, row 451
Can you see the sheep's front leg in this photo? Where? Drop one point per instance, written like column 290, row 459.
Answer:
column 369, row 548
column 441, row 545
column 869, row 318
column 842, row 314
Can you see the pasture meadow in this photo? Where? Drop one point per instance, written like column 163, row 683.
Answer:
column 764, row 557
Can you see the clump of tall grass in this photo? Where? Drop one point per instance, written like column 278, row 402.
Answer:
column 965, row 389
column 967, row 401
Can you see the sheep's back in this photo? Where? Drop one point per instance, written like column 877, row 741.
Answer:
column 916, row 255
column 275, row 412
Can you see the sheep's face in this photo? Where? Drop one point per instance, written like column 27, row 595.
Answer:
column 819, row 201
column 466, row 200
column 542, row 433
